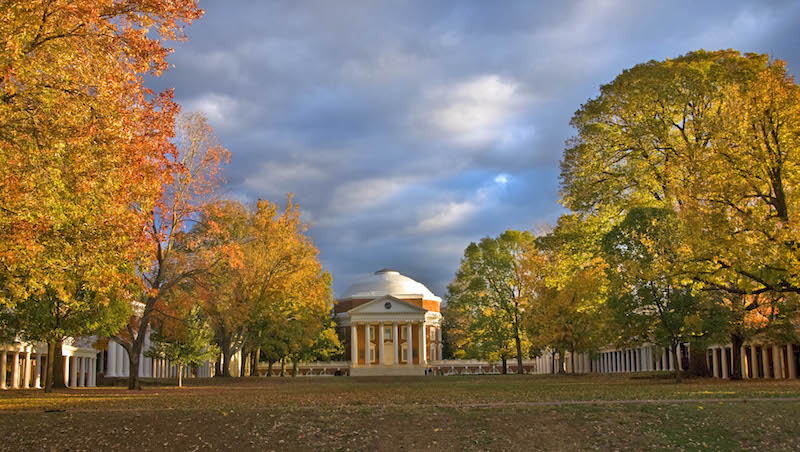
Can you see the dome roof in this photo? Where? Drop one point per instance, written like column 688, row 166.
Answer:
column 388, row 282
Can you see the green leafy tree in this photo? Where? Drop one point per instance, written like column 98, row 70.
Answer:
column 647, row 298
column 187, row 341
column 489, row 292
column 51, row 317
column 708, row 135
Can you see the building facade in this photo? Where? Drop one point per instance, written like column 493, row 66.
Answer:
column 391, row 325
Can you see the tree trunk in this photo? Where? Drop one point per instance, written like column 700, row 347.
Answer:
column 518, row 340
column 283, row 366
column 697, row 363
column 59, row 382
column 49, row 375
column 737, row 340
column 572, row 361
column 217, row 368
column 225, row 347
column 561, row 363
column 294, row 368
column 505, row 365
column 254, row 363
column 180, row 375
column 133, row 363
column 269, row 368
column 678, row 373
column 243, row 365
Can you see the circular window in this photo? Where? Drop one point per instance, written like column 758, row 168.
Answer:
column 387, row 305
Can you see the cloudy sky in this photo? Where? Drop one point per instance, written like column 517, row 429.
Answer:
column 407, row 129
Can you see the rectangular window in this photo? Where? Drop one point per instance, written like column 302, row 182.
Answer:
column 405, row 354
column 403, row 332
column 372, row 329
column 387, row 333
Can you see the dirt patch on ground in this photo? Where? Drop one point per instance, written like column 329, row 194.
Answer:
column 438, row 413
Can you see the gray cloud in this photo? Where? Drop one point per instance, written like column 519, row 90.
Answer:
column 408, row 129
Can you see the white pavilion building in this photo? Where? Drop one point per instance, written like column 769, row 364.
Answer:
column 391, row 325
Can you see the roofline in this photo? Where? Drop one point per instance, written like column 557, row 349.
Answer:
column 386, row 297
column 417, row 296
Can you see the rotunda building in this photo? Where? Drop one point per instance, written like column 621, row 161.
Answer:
column 391, row 325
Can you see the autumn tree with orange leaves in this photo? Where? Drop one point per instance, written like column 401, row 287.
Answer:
column 85, row 149
column 267, row 281
column 173, row 256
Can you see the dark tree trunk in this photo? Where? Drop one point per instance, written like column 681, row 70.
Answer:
column 243, row 364
column 49, row 376
column 572, row 361
column 254, row 362
column 225, row 347
column 283, row 366
column 133, row 362
column 269, row 368
column 217, row 368
column 697, row 363
column 737, row 340
column 505, row 366
column 517, row 339
column 294, row 368
column 675, row 358
column 59, row 382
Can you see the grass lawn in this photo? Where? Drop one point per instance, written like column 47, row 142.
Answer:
column 411, row 413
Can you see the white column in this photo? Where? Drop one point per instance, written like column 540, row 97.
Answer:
column 81, row 372
column 367, row 340
column 777, row 366
column 765, row 361
column 85, row 371
column 725, row 366
column 15, row 370
column 396, row 343
column 126, row 363
column 440, row 346
column 92, row 372
column 792, row 362
column 3, row 361
column 353, row 344
column 26, row 375
column 743, row 362
column 66, row 370
column 423, row 349
column 73, row 372
column 37, row 380
column 753, row 361
column 111, row 362
column 121, row 355
column 409, row 343
column 714, row 362
column 381, row 333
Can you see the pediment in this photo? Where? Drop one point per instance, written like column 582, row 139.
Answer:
column 387, row 304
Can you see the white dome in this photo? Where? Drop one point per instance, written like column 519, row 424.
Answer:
column 388, row 282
